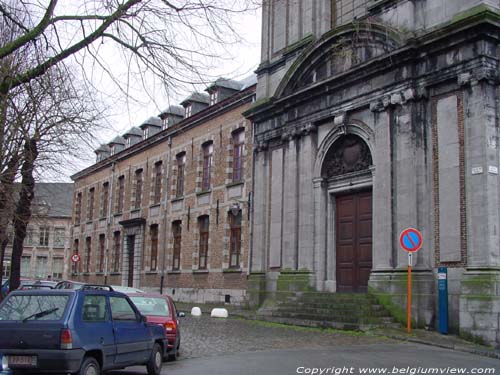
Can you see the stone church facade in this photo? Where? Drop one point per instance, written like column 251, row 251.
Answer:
column 373, row 116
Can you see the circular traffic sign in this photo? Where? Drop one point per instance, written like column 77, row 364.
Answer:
column 75, row 258
column 410, row 240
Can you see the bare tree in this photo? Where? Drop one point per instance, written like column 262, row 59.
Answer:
column 173, row 39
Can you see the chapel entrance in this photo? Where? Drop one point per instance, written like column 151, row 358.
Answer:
column 353, row 241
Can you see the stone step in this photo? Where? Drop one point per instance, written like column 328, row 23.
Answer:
column 341, row 319
column 334, row 312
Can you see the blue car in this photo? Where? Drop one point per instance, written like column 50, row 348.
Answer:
column 86, row 332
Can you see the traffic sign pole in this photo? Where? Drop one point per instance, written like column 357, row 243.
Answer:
column 410, row 240
column 408, row 318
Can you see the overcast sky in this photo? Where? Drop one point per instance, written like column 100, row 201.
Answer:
column 123, row 112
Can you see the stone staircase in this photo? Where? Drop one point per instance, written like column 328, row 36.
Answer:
column 348, row 311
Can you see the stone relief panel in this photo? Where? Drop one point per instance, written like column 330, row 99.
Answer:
column 348, row 154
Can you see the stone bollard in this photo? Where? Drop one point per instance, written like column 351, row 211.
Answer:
column 196, row 311
column 219, row 313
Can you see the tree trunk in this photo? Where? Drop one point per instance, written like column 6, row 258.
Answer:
column 23, row 210
column 6, row 207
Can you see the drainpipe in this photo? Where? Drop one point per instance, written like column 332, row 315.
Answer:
column 167, row 178
column 110, row 205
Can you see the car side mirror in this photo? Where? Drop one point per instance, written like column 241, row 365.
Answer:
column 181, row 314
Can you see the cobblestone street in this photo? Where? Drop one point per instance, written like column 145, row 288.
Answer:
column 204, row 336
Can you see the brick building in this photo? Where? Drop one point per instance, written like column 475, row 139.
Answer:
column 47, row 242
column 166, row 206
column 373, row 116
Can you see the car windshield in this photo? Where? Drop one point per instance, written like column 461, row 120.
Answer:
column 20, row 307
column 151, row 305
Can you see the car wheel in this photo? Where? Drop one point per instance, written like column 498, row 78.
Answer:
column 89, row 367
column 155, row 361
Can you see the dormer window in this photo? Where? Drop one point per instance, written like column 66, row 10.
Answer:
column 187, row 112
column 213, row 97
column 164, row 123
column 129, row 142
column 145, row 133
column 112, row 150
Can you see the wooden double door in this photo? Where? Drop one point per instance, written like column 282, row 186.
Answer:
column 353, row 241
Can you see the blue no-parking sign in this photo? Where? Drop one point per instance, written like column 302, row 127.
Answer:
column 410, row 240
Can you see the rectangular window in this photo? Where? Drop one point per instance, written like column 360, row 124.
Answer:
column 94, row 309
column 116, row 251
column 238, row 143
column 187, row 111
column 41, row 267
column 104, row 199
column 88, row 253
column 57, row 268
column 145, row 133
column 26, row 266
column 158, row 181
column 235, row 240
column 78, row 208
column 154, row 246
column 6, row 269
column 213, row 97
column 177, row 233
column 76, row 251
column 138, row 189
column 90, row 206
column 207, row 165
column 121, row 194
column 59, row 237
column 43, row 237
column 203, row 223
column 102, row 251
column 30, row 234
column 181, row 164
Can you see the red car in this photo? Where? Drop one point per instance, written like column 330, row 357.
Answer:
column 160, row 309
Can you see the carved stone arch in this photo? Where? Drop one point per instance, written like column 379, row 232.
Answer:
column 355, row 128
column 338, row 51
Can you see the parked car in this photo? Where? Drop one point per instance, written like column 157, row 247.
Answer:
column 69, row 284
column 160, row 309
column 85, row 332
column 38, row 284
column 6, row 284
column 126, row 289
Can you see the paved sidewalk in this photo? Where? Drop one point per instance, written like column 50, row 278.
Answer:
column 257, row 334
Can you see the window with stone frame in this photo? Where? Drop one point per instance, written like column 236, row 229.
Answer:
column 238, row 160
column 120, row 196
column 75, row 266
column 153, row 233
column 138, row 189
column 57, row 267
column 203, row 225
column 102, row 252
column 90, row 204
column 177, row 237
column 235, row 240
column 181, row 166
column 30, row 236
column 158, row 176
column 116, row 251
column 41, row 267
column 78, row 208
column 59, row 237
column 207, row 150
column 104, row 200
column 345, row 11
column 43, row 235
column 88, row 253
column 26, row 266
